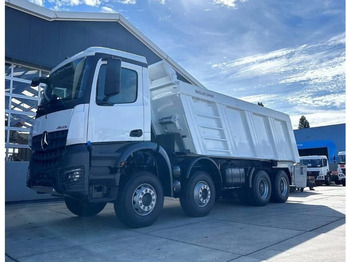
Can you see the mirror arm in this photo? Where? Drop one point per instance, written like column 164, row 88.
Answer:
column 37, row 80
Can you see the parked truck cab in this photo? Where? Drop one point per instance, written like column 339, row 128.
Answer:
column 342, row 161
column 113, row 129
column 317, row 169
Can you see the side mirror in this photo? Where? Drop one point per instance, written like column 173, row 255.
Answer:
column 113, row 76
column 37, row 80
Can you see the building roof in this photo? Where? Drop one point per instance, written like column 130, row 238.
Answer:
column 50, row 15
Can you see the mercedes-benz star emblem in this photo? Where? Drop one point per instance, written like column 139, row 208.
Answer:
column 44, row 140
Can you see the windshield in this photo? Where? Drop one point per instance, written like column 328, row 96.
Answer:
column 66, row 87
column 341, row 159
column 66, row 83
column 311, row 162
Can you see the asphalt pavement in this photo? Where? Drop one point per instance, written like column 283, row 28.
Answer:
column 310, row 226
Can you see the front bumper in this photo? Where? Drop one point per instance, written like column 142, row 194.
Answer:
column 68, row 175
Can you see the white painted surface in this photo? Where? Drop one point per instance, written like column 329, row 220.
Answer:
column 114, row 123
column 218, row 125
column 52, row 122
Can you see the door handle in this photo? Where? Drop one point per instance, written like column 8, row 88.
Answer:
column 136, row 133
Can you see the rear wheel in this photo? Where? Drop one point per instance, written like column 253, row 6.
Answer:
column 343, row 182
column 280, row 188
column 83, row 209
column 140, row 200
column 261, row 190
column 198, row 197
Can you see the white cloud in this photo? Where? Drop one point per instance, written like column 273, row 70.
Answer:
column 64, row 5
column 92, row 2
column 37, row 2
column 164, row 18
column 228, row 3
column 327, row 100
column 306, row 80
column 312, row 64
column 259, row 98
column 127, row 2
column 320, row 118
column 107, row 9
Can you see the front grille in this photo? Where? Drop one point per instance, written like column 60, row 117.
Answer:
column 51, row 156
column 313, row 173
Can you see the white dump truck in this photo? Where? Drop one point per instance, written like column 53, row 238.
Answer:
column 112, row 129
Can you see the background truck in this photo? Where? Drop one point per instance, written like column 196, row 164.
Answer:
column 320, row 171
column 317, row 169
column 110, row 128
column 342, row 161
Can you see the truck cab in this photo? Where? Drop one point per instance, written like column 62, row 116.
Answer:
column 317, row 169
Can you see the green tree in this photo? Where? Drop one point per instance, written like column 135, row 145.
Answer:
column 303, row 123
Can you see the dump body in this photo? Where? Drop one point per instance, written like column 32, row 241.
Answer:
column 213, row 124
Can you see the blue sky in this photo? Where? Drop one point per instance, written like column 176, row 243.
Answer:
column 289, row 55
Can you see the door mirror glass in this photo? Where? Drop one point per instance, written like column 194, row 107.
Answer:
column 113, row 76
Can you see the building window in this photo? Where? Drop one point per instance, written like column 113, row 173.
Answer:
column 21, row 101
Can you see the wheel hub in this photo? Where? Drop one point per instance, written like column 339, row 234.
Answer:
column 144, row 199
column 263, row 188
column 283, row 186
column 202, row 194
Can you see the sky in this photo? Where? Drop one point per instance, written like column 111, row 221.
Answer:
column 289, row 55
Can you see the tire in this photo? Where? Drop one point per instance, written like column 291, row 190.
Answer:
column 343, row 182
column 328, row 180
column 198, row 196
column 83, row 209
column 280, row 188
column 260, row 192
column 140, row 200
column 302, row 189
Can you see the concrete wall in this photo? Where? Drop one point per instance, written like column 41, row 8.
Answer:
column 15, row 183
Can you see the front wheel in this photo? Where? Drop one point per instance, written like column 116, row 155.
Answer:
column 198, row 197
column 280, row 188
column 83, row 209
column 260, row 193
column 140, row 200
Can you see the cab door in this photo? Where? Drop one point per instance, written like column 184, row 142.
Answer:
column 121, row 117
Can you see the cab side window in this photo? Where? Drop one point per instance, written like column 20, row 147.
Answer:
column 324, row 162
column 128, row 88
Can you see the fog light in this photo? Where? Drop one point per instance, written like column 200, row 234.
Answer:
column 74, row 175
